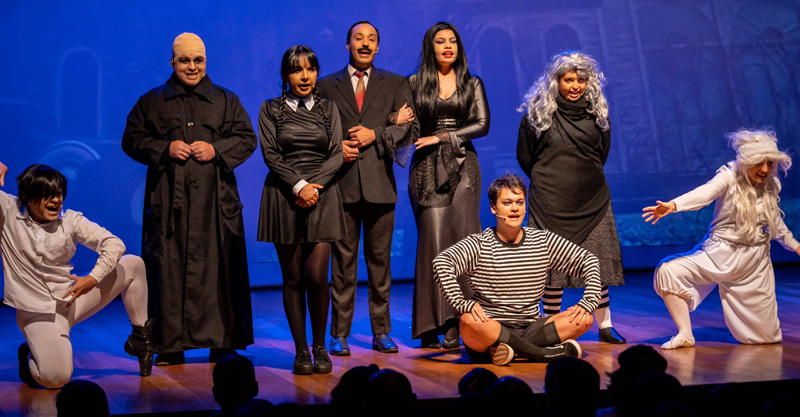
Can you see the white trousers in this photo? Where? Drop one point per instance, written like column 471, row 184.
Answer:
column 48, row 334
column 746, row 286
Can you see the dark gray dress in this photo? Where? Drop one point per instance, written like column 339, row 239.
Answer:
column 568, row 193
column 303, row 151
column 444, row 189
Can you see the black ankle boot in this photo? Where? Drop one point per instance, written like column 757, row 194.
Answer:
column 140, row 344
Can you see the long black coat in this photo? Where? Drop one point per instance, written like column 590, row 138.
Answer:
column 193, row 233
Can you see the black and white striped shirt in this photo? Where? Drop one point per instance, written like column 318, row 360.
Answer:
column 507, row 279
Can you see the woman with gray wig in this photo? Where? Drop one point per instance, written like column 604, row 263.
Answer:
column 563, row 144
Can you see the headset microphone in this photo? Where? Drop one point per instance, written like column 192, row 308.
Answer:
column 500, row 217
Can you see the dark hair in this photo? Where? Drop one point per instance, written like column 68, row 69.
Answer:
column 510, row 181
column 426, row 83
column 362, row 22
column 38, row 182
column 291, row 59
column 82, row 398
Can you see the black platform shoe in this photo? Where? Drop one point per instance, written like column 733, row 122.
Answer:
column 140, row 344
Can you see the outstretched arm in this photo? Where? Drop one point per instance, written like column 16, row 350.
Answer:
column 655, row 213
column 3, row 170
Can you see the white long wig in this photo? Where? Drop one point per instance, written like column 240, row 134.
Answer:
column 752, row 148
column 541, row 98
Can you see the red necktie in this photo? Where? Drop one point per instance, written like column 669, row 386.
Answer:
column 360, row 89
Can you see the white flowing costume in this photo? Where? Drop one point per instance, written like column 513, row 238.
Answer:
column 741, row 267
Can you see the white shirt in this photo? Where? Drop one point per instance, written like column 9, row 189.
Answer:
column 292, row 101
column 37, row 256
column 354, row 78
column 721, row 188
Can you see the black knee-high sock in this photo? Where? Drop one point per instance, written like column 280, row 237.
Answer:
column 520, row 345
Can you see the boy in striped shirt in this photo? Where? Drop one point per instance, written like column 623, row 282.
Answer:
column 506, row 268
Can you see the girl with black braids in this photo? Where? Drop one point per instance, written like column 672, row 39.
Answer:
column 301, row 208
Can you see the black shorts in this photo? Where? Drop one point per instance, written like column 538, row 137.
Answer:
column 537, row 332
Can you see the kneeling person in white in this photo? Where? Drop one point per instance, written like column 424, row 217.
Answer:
column 38, row 242
column 735, row 252
column 506, row 267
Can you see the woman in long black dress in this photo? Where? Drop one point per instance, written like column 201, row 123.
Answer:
column 563, row 143
column 445, row 179
column 301, row 208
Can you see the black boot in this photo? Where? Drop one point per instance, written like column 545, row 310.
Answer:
column 140, row 344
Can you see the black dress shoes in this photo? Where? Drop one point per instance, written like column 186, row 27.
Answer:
column 383, row 344
column 169, row 359
column 302, row 363
column 610, row 335
column 24, row 369
column 322, row 362
column 339, row 346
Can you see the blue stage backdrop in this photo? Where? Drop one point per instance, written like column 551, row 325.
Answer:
column 681, row 73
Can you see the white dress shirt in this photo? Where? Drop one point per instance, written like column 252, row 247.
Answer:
column 37, row 256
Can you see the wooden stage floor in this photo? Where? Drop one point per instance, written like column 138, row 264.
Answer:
column 638, row 314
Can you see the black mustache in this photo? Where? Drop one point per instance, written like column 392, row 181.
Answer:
column 365, row 50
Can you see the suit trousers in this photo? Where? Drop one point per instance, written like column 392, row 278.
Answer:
column 378, row 223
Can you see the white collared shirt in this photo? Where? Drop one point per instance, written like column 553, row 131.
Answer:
column 354, row 78
column 292, row 101
column 37, row 256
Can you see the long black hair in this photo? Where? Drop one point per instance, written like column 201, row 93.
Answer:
column 426, row 87
column 38, row 182
column 291, row 60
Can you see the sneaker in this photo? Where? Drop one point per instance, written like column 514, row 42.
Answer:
column 501, row 354
column 568, row 347
column 678, row 341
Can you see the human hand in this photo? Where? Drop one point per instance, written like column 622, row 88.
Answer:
column 179, row 150
column 361, row 135
column 308, row 195
column 350, row 150
column 655, row 213
column 426, row 141
column 478, row 314
column 203, row 151
column 82, row 286
column 404, row 115
column 577, row 314
column 3, row 170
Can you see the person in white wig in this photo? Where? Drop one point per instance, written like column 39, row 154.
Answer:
column 734, row 254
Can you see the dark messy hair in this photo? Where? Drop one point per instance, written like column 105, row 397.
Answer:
column 38, row 182
column 510, row 181
column 362, row 22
